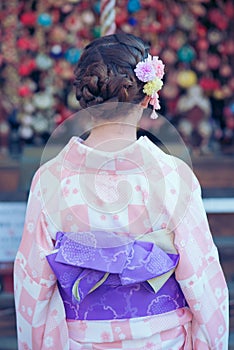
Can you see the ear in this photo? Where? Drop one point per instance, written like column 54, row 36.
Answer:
column 145, row 102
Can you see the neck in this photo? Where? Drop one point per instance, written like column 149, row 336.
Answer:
column 112, row 136
column 115, row 134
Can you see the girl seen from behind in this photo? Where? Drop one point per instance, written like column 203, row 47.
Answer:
column 116, row 251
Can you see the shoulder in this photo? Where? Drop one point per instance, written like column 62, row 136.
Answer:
column 54, row 158
column 173, row 166
column 49, row 174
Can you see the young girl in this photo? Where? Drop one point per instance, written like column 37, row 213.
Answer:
column 116, row 251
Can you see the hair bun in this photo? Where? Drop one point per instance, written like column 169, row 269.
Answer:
column 106, row 70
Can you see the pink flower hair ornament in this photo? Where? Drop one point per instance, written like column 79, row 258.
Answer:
column 151, row 71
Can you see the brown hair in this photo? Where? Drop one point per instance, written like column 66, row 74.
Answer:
column 105, row 71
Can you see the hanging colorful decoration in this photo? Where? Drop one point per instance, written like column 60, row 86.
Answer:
column 43, row 100
column 43, row 61
column 186, row 53
column 9, row 50
column 24, row 91
column 42, row 41
column 29, row 18
column 44, row 19
column 72, row 55
column 27, row 67
column 133, row 6
column 56, row 51
column 186, row 78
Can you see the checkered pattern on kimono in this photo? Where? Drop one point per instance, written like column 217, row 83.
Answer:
column 62, row 198
column 200, row 276
column 37, row 300
column 162, row 332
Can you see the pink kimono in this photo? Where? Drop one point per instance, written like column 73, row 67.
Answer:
column 152, row 203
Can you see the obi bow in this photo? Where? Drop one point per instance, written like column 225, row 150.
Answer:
column 83, row 261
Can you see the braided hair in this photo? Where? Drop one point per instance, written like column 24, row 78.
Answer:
column 105, row 70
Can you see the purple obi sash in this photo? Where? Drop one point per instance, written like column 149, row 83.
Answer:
column 116, row 280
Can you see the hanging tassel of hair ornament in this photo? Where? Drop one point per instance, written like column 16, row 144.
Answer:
column 151, row 71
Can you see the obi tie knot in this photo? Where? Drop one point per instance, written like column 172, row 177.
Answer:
column 83, row 261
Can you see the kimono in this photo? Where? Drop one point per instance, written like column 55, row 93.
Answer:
column 148, row 201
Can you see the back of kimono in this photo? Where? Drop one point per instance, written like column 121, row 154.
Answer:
column 116, row 251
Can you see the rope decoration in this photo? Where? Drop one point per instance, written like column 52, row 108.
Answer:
column 107, row 17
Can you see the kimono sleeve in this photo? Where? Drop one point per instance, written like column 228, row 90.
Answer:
column 40, row 313
column 201, row 278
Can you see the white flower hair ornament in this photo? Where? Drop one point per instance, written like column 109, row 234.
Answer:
column 151, row 71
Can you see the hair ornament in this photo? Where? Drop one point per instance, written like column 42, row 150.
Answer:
column 151, row 71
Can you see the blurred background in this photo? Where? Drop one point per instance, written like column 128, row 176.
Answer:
column 41, row 42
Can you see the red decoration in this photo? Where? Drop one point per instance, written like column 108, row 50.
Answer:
column 29, row 18
column 121, row 17
column 27, row 67
column 229, row 9
column 27, row 43
column 209, row 84
column 24, row 91
column 213, row 61
column 227, row 48
column 218, row 18
column 203, row 44
column 55, row 15
column 201, row 30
